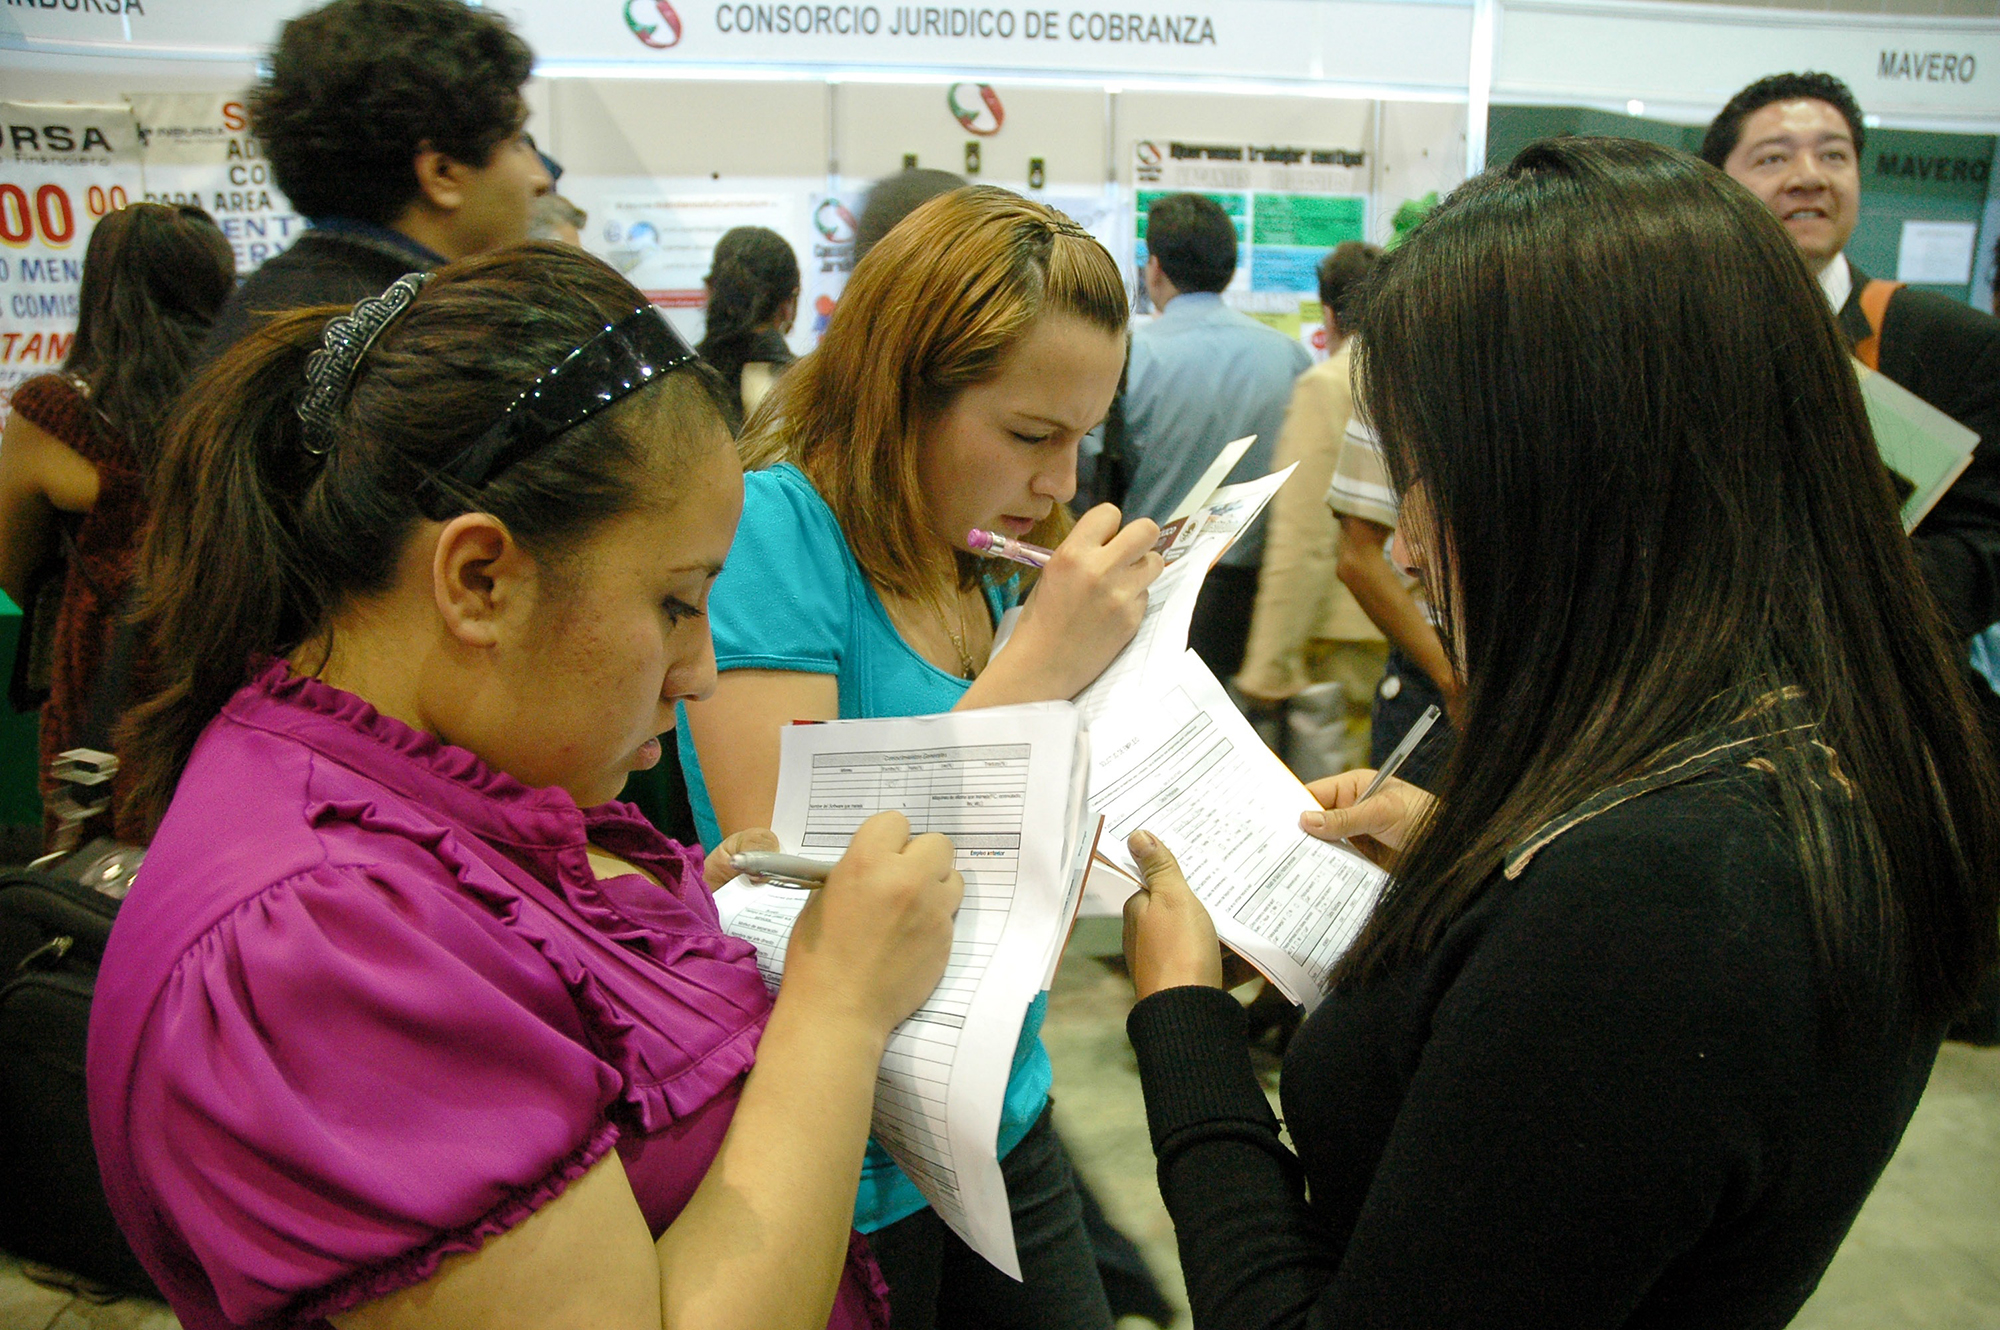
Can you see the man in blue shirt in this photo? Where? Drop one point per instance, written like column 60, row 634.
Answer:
column 1203, row 374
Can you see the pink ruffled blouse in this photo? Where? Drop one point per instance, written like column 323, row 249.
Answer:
column 368, row 1005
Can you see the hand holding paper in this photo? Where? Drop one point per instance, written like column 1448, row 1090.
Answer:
column 1007, row 786
column 1084, row 608
column 874, row 943
column 1170, row 939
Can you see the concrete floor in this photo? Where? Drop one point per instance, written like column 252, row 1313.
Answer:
column 1924, row 1255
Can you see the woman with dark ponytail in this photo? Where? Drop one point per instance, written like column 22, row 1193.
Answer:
column 80, row 445
column 405, row 1022
column 753, row 296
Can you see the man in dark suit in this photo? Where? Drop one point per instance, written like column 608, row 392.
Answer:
column 1795, row 140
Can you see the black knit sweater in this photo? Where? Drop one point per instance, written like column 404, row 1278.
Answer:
column 1610, row 1097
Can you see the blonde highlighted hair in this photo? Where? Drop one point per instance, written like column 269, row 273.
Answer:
column 932, row 310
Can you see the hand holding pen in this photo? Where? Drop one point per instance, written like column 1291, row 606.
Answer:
column 996, row 546
column 1084, row 607
column 1372, row 805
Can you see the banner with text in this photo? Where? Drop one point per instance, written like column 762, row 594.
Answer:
column 196, row 148
column 1698, row 55
column 1375, row 42
column 64, row 166
column 661, row 235
column 1290, row 205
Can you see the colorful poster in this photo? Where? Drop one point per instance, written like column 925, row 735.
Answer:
column 195, row 148
column 664, row 243
column 1290, row 205
column 831, row 257
column 63, row 166
column 825, row 266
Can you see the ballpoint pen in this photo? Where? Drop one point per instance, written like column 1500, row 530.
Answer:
column 996, row 546
column 1397, row 758
column 1403, row 750
column 789, row 869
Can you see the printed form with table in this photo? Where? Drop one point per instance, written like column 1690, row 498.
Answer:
column 1038, row 801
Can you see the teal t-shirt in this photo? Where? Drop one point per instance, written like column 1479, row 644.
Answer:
column 791, row 597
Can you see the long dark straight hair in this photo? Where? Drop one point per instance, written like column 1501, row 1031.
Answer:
column 154, row 276
column 1656, row 501
column 256, row 543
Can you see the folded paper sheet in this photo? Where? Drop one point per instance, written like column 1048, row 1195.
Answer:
column 1185, row 765
column 1921, row 444
column 1007, row 785
column 1155, row 650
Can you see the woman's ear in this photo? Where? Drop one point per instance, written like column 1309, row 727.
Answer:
column 480, row 577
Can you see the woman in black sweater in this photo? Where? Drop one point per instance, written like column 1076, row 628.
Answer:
column 1664, row 966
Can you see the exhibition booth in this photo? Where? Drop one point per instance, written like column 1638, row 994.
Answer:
column 1311, row 121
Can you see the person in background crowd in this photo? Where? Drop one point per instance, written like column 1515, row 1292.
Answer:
column 1417, row 674
column 753, row 296
column 80, row 446
column 895, row 197
column 1129, row 1283
column 1307, row 627
column 556, row 218
column 972, row 350
column 407, row 1025
column 395, row 128
column 1795, row 140
column 1201, row 375
column 1665, row 964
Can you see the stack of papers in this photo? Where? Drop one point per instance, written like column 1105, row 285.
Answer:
column 999, row 782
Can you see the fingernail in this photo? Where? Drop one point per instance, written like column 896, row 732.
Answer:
column 1142, row 842
column 1312, row 821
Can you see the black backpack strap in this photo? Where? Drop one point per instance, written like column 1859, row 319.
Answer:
column 108, row 693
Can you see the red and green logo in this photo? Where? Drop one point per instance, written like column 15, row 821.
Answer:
column 653, row 22
column 834, row 222
column 977, row 107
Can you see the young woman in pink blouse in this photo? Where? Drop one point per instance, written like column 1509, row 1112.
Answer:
column 406, row 1023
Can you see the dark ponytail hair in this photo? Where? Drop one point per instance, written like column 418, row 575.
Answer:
column 1658, row 507
column 754, row 273
column 257, row 542
column 154, row 276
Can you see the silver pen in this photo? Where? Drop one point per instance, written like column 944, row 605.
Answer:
column 789, row 869
column 1403, row 750
column 1397, row 758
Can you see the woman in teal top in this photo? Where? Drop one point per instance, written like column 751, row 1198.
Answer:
column 972, row 350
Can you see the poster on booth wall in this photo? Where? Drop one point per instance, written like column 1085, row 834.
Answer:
column 63, row 166
column 1290, row 204
column 196, row 148
column 826, row 268
column 664, row 245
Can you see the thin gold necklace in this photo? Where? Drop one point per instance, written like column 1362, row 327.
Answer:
column 965, row 666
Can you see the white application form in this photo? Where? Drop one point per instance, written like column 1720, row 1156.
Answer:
column 1005, row 783
column 1183, row 764
column 1153, row 654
